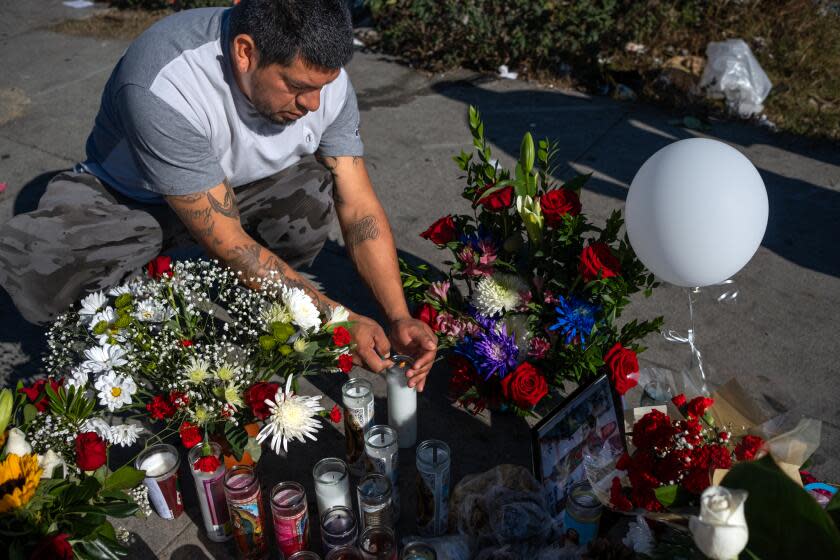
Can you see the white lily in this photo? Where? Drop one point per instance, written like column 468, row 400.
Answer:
column 49, row 462
column 531, row 214
column 720, row 532
column 16, row 443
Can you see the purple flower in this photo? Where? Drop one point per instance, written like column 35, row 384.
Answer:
column 495, row 353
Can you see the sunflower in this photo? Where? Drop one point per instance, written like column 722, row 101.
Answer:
column 19, row 477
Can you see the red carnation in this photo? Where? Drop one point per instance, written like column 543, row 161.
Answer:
column 186, row 343
column 617, row 498
column 463, row 376
column 428, row 315
column 623, row 462
column 159, row 266
column 645, row 498
column 37, row 393
column 557, row 203
column 697, row 480
column 640, row 471
column 442, row 231
column 341, row 336
column 679, row 401
column 190, row 435
column 160, row 408
column 496, row 201
column 335, row 414
column 207, row 464
column 53, row 547
column 257, row 394
column 525, row 386
column 653, row 430
column 621, row 364
column 90, row 451
column 597, row 259
column 668, row 469
column 697, row 406
column 178, row 399
column 748, row 447
column 719, row 457
column 345, row 363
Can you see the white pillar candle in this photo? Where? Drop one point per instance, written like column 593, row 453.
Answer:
column 332, row 484
column 402, row 402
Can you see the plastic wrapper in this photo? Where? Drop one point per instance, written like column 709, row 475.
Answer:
column 790, row 446
column 732, row 72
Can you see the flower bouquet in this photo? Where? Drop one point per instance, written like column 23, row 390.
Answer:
column 55, row 485
column 190, row 346
column 534, row 290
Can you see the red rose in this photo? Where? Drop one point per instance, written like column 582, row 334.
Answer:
column 190, row 435
column 621, row 364
column 345, row 363
column 37, row 393
column 207, row 464
column 497, row 201
column 617, row 498
column 698, row 406
column 90, row 451
column 679, row 401
column 557, row 203
column 525, row 386
column 341, row 336
column 598, row 259
column 428, row 315
column 186, row 343
column 159, row 266
column 160, row 408
column 335, row 414
column 53, row 547
column 653, row 430
column 748, row 447
column 256, row 396
column 441, row 232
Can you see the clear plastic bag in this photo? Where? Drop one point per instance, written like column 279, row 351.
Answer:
column 732, row 72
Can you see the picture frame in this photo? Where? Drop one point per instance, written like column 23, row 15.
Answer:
column 588, row 419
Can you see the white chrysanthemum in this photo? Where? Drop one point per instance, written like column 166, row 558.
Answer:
column 226, row 371
column 124, row 435
column 91, row 305
column 104, row 358
column 275, row 313
column 109, row 315
column 498, row 293
column 303, row 310
column 115, row 390
column 151, row 312
column 300, row 344
column 119, row 290
column 233, row 395
column 78, row 378
column 201, row 415
column 97, row 425
column 197, row 370
column 291, row 417
column 338, row 314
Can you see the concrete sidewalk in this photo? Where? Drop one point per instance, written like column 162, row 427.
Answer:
column 780, row 338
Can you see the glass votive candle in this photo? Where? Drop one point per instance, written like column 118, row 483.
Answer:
column 161, row 464
column 357, row 397
column 433, row 464
column 304, row 555
column 338, row 528
column 244, row 498
column 378, row 543
column 375, row 501
column 332, row 484
column 210, row 488
column 582, row 514
column 290, row 516
column 418, row 550
column 382, row 456
column 654, row 393
column 345, row 553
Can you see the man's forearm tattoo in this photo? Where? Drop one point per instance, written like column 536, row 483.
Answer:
column 361, row 231
column 226, row 207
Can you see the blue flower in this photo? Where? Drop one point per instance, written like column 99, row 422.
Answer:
column 486, row 323
column 575, row 318
column 495, row 353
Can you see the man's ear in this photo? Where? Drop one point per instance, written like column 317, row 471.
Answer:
column 244, row 53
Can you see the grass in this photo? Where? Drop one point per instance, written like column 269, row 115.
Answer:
column 111, row 24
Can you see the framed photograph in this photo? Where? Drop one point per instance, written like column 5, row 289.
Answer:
column 588, row 420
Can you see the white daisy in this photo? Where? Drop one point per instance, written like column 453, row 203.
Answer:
column 124, row 435
column 119, row 290
column 104, row 358
column 197, row 370
column 275, row 313
column 109, row 315
column 151, row 312
column 291, row 417
column 226, row 371
column 338, row 314
column 97, row 425
column 498, row 293
column 91, row 305
column 303, row 310
column 78, row 378
column 115, row 390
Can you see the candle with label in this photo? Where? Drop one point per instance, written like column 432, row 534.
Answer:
column 375, row 501
column 357, row 397
column 291, row 517
column 382, row 456
column 402, row 401
column 378, row 543
column 244, row 498
column 210, row 488
column 332, row 484
column 161, row 465
column 433, row 463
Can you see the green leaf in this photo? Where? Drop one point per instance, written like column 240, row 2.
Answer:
column 29, row 413
column 777, row 506
column 237, row 437
column 577, row 183
column 119, row 509
column 124, row 478
column 667, row 495
column 833, row 509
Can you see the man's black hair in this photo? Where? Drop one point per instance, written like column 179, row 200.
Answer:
column 320, row 31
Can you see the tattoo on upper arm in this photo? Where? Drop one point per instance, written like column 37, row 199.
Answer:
column 361, row 231
column 329, row 162
column 228, row 206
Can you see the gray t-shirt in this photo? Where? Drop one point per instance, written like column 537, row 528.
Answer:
column 173, row 120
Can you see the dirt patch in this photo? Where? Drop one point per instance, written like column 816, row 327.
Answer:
column 111, row 24
column 13, row 104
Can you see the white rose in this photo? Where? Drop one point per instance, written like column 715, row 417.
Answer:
column 721, row 530
column 49, row 461
column 16, row 443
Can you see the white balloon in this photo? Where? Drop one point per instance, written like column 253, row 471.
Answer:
column 696, row 212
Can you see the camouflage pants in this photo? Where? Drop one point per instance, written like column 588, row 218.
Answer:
column 85, row 236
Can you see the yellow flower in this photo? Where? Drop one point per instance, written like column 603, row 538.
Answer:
column 19, row 477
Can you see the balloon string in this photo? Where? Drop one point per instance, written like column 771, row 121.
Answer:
column 674, row 336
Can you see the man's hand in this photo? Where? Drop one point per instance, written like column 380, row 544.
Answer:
column 371, row 343
column 416, row 339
